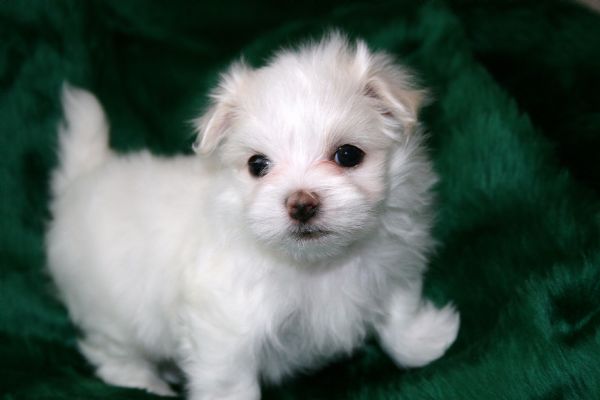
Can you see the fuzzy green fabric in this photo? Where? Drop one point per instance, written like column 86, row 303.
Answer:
column 515, row 133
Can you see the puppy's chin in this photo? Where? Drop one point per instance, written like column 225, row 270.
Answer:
column 309, row 232
column 310, row 244
column 313, row 245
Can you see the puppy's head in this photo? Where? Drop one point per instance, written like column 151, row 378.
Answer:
column 309, row 137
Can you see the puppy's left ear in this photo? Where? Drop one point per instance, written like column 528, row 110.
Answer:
column 212, row 127
column 390, row 86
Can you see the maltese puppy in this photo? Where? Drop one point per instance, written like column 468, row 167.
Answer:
column 300, row 227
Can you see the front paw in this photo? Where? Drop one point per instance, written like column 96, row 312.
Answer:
column 234, row 392
column 425, row 337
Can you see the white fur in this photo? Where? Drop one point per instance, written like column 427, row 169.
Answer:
column 191, row 258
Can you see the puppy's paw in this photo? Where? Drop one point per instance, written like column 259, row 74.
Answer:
column 134, row 376
column 251, row 392
column 424, row 338
column 118, row 366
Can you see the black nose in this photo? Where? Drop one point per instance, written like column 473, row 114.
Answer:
column 302, row 205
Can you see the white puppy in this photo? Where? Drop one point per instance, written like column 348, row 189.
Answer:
column 302, row 226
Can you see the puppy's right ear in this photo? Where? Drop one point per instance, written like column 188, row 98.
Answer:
column 212, row 127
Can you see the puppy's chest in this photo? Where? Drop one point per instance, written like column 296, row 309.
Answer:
column 324, row 315
column 312, row 322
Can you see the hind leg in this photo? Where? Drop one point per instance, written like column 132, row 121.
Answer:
column 120, row 365
column 415, row 332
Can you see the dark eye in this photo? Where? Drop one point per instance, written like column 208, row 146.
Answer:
column 258, row 165
column 348, row 156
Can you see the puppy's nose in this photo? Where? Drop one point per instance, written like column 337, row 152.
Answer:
column 302, row 205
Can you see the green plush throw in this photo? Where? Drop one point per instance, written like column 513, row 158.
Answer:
column 514, row 132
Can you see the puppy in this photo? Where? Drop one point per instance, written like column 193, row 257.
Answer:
column 301, row 226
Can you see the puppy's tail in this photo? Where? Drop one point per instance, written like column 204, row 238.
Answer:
column 82, row 137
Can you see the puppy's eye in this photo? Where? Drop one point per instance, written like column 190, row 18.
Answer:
column 348, row 156
column 258, row 165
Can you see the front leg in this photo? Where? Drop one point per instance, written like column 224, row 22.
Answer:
column 414, row 332
column 218, row 341
column 220, row 364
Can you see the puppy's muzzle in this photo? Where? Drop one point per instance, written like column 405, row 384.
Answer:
column 302, row 205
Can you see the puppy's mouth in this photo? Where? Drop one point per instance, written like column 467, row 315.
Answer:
column 308, row 232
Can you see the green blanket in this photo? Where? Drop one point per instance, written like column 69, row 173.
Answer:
column 514, row 132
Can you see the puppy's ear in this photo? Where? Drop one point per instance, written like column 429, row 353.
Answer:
column 212, row 127
column 390, row 86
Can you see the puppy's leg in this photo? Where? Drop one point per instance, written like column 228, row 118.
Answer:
column 119, row 365
column 415, row 332
column 218, row 347
column 221, row 367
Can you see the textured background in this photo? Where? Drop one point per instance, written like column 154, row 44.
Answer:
column 515, row 135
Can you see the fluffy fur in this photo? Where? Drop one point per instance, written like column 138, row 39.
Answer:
column 194, row 259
